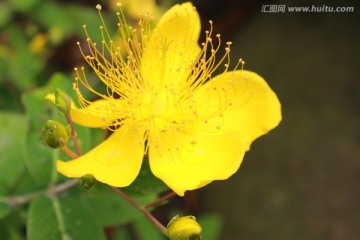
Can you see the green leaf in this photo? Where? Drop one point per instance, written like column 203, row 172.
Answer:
column 145, row 183
column 122, row 234
column 62, row 218
column 65, row 19
column 42, row 223
column 9, row 100
column 22, row 67
column 23, row 6
column 145, row 230
column 4, row 206
column 112, row 209
column 90, row 17
column 12, row 135
column 211, row 225
column 55, row 17
column 12, row 227
column 39, row 157
column 5, row 13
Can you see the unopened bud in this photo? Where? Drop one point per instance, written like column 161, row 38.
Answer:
column 87, row 181
column 184, row 228
column 62, row 101
column 55, row 134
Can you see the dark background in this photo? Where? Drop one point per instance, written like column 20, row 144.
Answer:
column 301, row 181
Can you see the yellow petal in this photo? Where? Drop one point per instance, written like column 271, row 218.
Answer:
column 239, row 101
column 98, row 114
column 116, row 161
column 190, row 161
column 173, row 47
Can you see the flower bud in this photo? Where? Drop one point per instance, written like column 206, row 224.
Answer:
column 184, row 228
column 55, row 134
column 87, row 181
column 62, row 101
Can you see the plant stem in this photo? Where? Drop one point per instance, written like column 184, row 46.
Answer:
column 157, row 224
column 64, row 186
column 22, row 199
column 73, row 134
column 160, row 200
column 59, row 217
column 68, row 152
column 51, row 191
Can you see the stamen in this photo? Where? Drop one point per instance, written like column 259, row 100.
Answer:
column 155, row 111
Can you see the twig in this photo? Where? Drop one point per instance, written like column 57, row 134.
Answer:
column 64, row 186
column 68, row 152
column 52, row 190
column 73, row 134
column 18, row 200
column 160, row 200
column 142, row 209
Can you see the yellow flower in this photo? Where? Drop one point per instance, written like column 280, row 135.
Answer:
column 163, row 100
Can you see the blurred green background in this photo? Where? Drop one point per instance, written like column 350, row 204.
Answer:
column 301, row 181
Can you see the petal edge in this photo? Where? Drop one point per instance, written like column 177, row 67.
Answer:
column 116, row 161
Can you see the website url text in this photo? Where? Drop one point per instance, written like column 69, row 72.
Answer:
column 307, row 9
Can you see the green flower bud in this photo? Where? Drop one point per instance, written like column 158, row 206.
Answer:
column 184, row 228
column 62, row 101
column 55, row 134
column 87, row 181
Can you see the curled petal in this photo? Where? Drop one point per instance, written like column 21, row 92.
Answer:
column 116, row 161
column 238, row 101
column 187, row 161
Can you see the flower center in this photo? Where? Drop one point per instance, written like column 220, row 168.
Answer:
column 158, row 106
column 152, row 81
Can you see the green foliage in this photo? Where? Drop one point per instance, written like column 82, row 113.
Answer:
column 146, row 231
column 65, row 218
column 114, row 210
column 211, row 225
column 31, row 204
column 27, row 169
column 12, row 134
column 5, row 13
column 23, row 6
column 27, row 172
column 4, row 207
column 38, row 157
column 17, row 67
column 145, row 183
